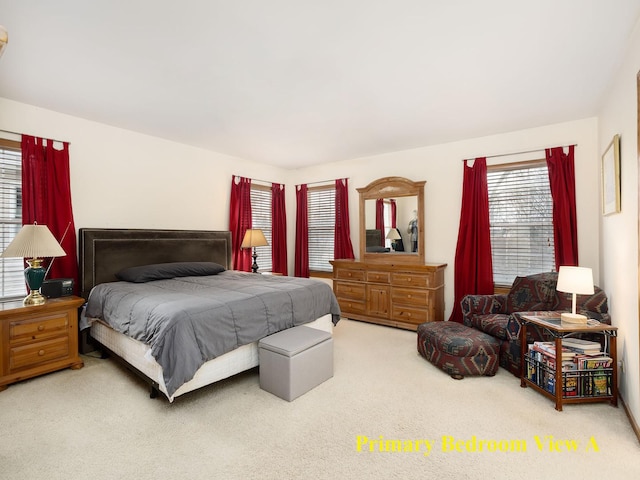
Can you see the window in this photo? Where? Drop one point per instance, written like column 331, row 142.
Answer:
column 12, row 283
column 520, row 216
column 261, row 218
column 322, row 225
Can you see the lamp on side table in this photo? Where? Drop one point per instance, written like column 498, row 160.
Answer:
column 254, row 238
column 574, row 280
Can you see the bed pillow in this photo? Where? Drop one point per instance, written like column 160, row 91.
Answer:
column 162, row 271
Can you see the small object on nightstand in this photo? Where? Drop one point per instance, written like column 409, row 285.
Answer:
column 57, row 287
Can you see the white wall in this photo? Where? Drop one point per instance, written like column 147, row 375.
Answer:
column 619, row 232
column 122, row 179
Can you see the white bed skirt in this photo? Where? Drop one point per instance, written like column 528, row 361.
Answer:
column 138, row 355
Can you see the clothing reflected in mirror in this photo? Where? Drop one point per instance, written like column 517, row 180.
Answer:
column 412, row 230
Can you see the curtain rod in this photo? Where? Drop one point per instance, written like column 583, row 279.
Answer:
column 518, row 153
column 256, row 179
column 323, row 181
column 310, row 183
column 20, row 134
column 263, row 181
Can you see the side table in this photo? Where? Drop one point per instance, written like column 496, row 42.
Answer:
column 558, row 330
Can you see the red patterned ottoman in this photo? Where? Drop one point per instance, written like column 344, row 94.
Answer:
column 457, row 349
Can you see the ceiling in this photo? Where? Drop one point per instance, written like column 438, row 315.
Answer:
column 293, row 83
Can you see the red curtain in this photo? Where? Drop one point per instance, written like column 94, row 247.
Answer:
column 342, row 247
column 379, row 218
column 278, row 229
column 240, row 221
column 302, row 232
column 46, row 199
column 473, row 272
column 394, row 209
column 562, row 179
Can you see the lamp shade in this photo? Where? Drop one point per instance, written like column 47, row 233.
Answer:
column 254, row 238
column 575, row 280
column 393, row 234
column 33, row 241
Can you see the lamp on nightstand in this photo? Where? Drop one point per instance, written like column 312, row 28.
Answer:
column 393, row 235
column 254, row 238
column 574, row 280
column 33, row 242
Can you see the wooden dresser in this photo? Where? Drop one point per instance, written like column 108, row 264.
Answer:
column 38, row 339
column 398, row 295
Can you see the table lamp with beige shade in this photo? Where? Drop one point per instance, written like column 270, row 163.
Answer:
column 34, row 243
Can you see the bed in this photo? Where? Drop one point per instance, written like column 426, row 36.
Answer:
column 277, row 303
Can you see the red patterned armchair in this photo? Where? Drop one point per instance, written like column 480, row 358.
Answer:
column 497, row 314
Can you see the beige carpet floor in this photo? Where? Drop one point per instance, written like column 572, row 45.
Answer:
column 99, row 423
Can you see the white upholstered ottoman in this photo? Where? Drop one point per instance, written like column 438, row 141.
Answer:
column 294, row 361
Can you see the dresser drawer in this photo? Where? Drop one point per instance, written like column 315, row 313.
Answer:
column 378, row 277
column 406, row 314
column 410, row 297
column 413, row 280
column 39, row 352
column 39, row 328
column 348, row 305
column 350, row 290
column 345, row 274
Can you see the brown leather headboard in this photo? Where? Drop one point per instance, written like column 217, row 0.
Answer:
column 106, row 251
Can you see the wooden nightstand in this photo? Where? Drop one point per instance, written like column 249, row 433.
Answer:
column 38, row 339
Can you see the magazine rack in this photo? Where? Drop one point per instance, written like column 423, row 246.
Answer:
column 586, row 384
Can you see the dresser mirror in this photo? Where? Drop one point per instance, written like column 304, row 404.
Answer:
column 380, row 198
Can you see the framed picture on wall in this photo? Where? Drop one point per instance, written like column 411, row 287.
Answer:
column 611, row 177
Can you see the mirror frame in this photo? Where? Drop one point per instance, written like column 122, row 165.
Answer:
column 392, row 187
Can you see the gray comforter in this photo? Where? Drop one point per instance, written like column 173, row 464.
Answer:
column 190, row 320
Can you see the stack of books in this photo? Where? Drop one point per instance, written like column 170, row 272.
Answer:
column 586, row 369
column 542, row 365
column 579, row 345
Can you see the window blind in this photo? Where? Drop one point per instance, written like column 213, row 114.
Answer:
column 520, row 216
column 12, row 283
column 322, row 225
column 261, row 218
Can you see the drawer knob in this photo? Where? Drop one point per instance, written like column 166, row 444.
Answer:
column 41, row 353
column 409, row 279
column 409, row 296
column 40, row 328
column 408, row 314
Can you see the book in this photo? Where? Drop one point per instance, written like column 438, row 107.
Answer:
column 579, row 342
column 571, row 385
column 600, row 385
column 588, row 362
column 549, row 348
column 581, row 346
